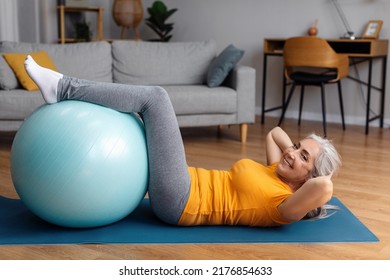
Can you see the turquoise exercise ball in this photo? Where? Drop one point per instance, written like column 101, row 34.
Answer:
column 80, row 165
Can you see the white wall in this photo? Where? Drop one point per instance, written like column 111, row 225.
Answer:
column 246, row 23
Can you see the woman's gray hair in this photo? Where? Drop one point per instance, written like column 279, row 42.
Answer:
column 328, row 160
column 323, row 212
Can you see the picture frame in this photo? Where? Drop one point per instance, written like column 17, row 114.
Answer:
column 372, row 29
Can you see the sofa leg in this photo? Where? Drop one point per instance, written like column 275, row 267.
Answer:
column 243, row 132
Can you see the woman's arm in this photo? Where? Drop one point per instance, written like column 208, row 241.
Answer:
column 276, row 142
column 314, row 193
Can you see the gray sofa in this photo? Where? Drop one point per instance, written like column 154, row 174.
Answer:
column 180, row 68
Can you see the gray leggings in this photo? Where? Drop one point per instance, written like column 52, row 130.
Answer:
column 169, row 180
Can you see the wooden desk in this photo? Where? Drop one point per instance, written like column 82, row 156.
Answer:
column 360, row 50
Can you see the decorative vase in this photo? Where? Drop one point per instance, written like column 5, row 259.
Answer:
column 313, row 30
column 128, row 14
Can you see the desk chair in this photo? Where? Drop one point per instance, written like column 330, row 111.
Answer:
column 310, row 61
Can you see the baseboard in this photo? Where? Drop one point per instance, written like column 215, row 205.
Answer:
column 331, row 118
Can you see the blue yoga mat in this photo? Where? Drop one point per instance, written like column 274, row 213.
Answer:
column 19, row 226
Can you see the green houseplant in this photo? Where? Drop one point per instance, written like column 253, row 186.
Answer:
column 82, row 32
column 158, row 14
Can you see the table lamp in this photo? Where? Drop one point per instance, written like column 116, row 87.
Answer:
column 349, row 34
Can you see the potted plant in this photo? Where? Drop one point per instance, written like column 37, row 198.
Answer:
column 158, row 14
column 83, row 32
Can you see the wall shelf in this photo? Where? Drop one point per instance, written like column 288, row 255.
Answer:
column 62, row 10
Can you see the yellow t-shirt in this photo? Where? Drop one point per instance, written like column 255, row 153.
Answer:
column 248, row 194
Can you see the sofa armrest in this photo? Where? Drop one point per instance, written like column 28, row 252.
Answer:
column 243, row 80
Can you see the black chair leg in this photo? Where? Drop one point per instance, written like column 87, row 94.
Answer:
column 301, row 103
column 323, row 109
column 341, row 104
column 285, row 105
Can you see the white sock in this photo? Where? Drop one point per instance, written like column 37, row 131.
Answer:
column 46, row 79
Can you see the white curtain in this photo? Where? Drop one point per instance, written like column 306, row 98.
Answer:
column 9, row 29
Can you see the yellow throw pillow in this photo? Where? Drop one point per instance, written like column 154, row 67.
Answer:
column 16, row 62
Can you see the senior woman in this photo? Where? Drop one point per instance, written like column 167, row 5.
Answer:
column 295, row 181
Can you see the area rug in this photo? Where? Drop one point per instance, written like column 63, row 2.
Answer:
column 18, row 226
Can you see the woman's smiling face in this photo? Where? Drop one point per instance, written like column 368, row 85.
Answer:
column 297, row 162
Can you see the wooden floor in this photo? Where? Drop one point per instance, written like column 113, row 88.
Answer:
column 363, row 185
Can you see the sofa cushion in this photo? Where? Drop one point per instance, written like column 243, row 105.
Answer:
column 18, row 103
column 153, row 63
column 222, row 65
column 16, row 62
column 90, row 61
column 8, row 79
column 200, row 99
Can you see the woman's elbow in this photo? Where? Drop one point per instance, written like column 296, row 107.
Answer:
column 326, row 190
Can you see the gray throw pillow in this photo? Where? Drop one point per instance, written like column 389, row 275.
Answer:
column 222, row 65
column 8, row 79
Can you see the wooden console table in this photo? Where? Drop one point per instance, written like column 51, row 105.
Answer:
column 359, row 50
column 64, row 9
